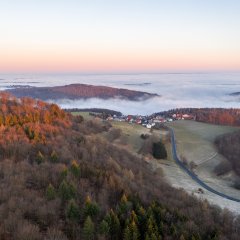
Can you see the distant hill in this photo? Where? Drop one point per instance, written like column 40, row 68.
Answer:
column 235, row 94
column 80, row 91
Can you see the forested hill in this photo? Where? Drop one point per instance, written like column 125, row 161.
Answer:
column 79, row 91
column 59, row 179
column 221, row 116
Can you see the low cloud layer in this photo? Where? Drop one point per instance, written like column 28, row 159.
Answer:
column 151, row 105
column 176, row 90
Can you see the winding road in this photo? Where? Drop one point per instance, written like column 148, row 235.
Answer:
column 193, row 175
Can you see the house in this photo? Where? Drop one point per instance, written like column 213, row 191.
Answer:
column 187, row 117
column 139, row 121
column 149, row 126
column 129, row 118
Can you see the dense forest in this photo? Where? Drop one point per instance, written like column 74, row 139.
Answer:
column 79, row 91
column 59, row 180
column 220, row 116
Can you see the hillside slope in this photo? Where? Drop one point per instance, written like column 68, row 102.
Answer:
column 60, row 180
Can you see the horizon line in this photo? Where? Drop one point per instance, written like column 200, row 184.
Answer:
column 119, row 72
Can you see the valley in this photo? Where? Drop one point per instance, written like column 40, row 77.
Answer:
column 195, row 146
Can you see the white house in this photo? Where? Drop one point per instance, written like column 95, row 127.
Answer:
column 149, row 126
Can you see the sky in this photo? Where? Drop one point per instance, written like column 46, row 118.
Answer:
column 119, row 35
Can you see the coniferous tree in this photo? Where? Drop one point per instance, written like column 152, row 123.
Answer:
column 75, row 168
column 67, row 191
column 50, row 192
column 159, row 150
column 54, row 157
column 88, row 229
column 39, row 158
column 91, row 208
column 72, row 211
column 127, row 235
column 104, row 228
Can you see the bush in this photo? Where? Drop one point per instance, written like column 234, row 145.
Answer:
column 144, row 136
column 114, row 134
column 236, row 183
column 223, row 168
column 159, row 150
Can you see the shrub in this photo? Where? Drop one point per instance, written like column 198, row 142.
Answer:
column 223, row 168
column 159, row 150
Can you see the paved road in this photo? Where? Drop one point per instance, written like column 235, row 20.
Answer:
column 193, row 175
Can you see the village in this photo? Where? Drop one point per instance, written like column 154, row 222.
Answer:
column 150, row 121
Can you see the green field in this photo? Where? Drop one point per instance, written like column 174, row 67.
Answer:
column 195, row 143
column 195, row 140
column 203, row 130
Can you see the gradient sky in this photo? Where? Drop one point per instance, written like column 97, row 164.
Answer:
column 119, row 35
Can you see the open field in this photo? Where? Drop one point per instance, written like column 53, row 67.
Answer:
column 85, row 115
column 131, row 133
column 195, row 142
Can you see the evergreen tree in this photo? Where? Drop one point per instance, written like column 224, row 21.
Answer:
column 152, row 228
column 50, row 192
column 142, row 219
column 104, row 228
column 182, row 237
column 88, row 229
column 127, row 235
column 91, row 208
column 54, row 157
column 159, row 150
column 114, row 225
column 66, row 191
column 39, row 158
column 75, row 168
column 72, row 211
column 135, row 232
column 64, row 172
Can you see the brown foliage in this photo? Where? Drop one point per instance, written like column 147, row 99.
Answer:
column 86, row 165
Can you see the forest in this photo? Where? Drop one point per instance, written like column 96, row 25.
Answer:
column 220, row 116
column 59, row 180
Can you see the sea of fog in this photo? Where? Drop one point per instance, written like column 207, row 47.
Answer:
column 177, row 90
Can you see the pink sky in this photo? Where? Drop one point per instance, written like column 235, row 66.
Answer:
column 125, row 36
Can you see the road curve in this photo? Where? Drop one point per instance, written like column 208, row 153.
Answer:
column 193, row 175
